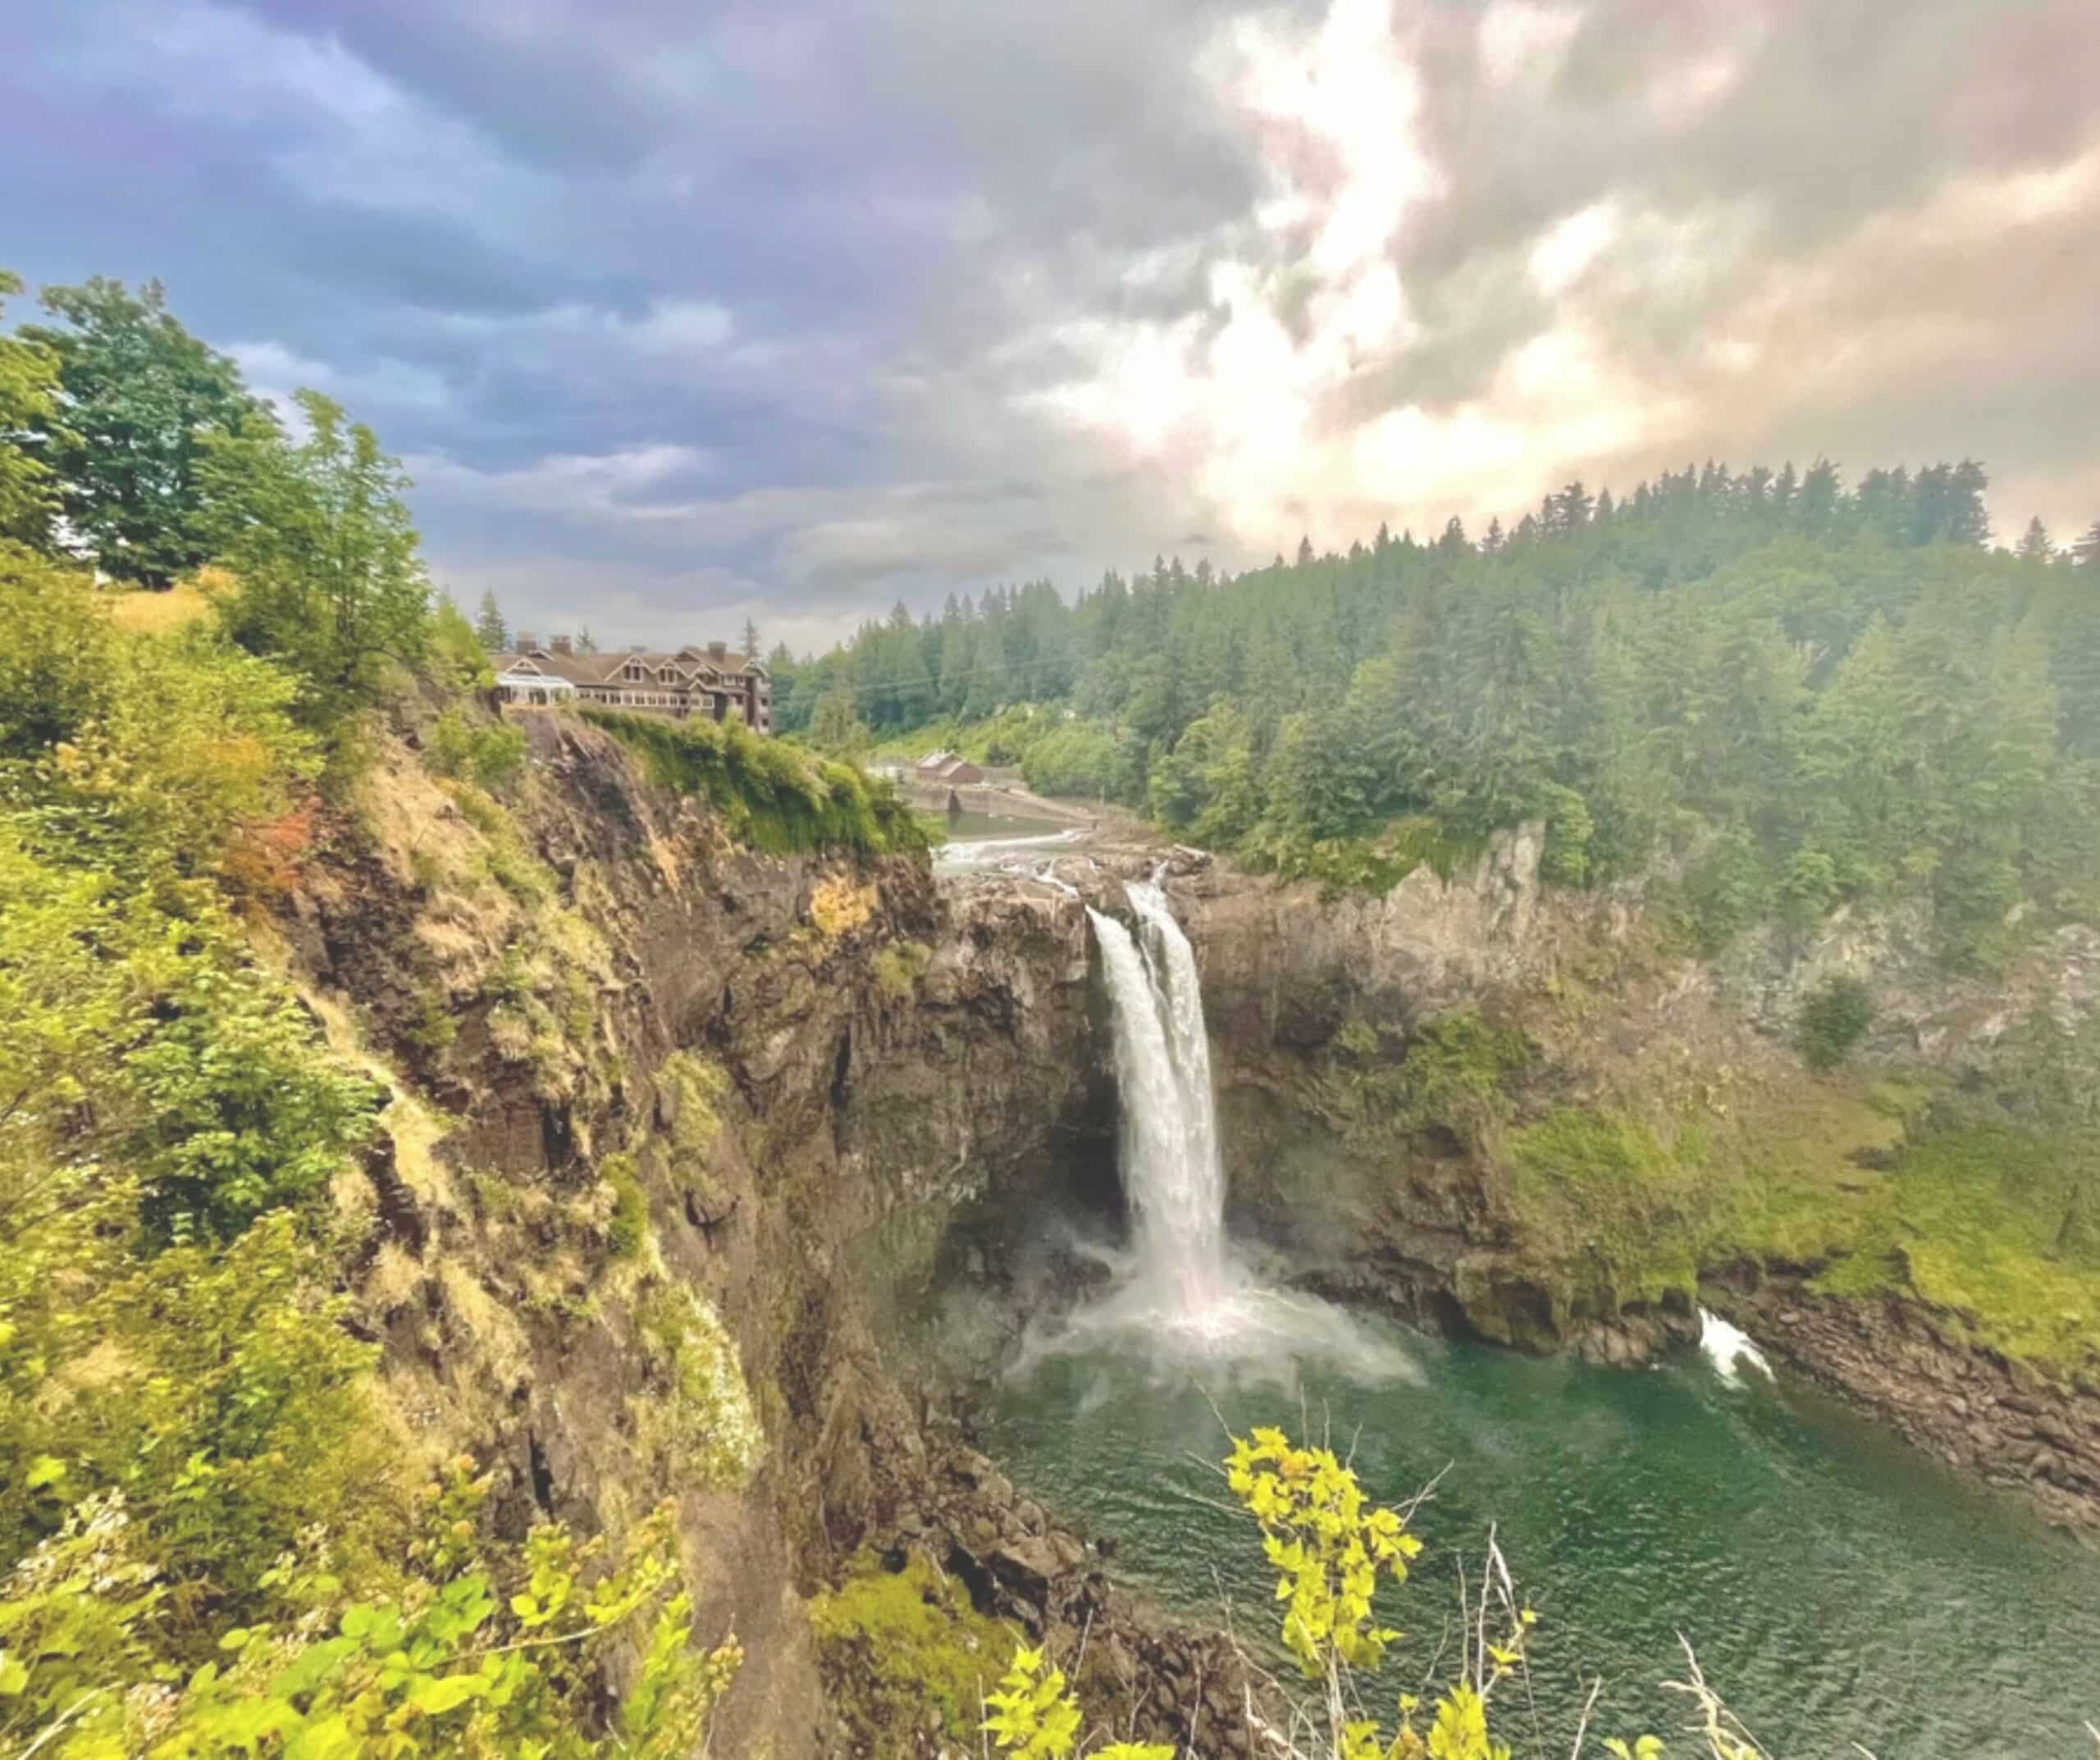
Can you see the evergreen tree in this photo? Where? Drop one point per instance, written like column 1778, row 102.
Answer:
column 835, row 726
column 2086, row 552
column 751, row 648
column 490, row 629
column 2036, row 546
column 586, row 642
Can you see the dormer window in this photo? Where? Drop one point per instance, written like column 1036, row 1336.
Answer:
column 631, row 672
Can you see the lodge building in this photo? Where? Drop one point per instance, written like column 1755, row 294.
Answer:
column 708, row 683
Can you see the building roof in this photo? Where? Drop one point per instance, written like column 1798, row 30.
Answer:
column 523, row 669
column 688, row 666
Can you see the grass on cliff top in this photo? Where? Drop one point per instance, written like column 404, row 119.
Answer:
column 137, row 612
column 774, row 795
column 1991, row 1220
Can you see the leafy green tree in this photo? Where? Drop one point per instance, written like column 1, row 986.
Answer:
column 55, row 655
column 29, row 419
column 138, row 397
column 1209, row 785
column 330, row 579
column 456, row 653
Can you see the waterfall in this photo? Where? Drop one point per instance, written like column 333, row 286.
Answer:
column 1179, row 1298
column 1727, row 1347
column 1172, row 1176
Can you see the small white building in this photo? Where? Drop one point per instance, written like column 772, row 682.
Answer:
column 523, row 680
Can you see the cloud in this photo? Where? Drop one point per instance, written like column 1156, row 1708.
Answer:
column 816, row 305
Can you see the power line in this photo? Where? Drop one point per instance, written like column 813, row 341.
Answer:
column 932, row 683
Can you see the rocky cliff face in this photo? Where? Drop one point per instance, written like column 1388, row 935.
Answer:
column 679, row 1130
column 674, row 1125
column 1420, row 1222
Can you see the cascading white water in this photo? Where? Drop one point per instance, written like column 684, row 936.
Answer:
column 1171, row 1173
column 1727, row 1347
column 1180, row 1297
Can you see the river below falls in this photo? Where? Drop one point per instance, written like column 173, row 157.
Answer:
column 1839, row 1587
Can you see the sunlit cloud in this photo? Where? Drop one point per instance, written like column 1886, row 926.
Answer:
column 696, row 307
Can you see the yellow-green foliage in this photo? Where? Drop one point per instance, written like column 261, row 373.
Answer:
column 505, row 858
column 544, row 994
column 1330, row 1544
column 773, row 795
column 839, row 905
column 1618, row 1205
column 628, row 1230
column 142, row 612
column 898, row 968
column 478, row 1654
column 903, row 1649
column 1992, row 1221
column 702, row 1422
column 1990, row 1216
column 1327, row 1542
column 1032, row 1716
column 194, row 1460
column 457, row 657
column 695, row 1088
column 479, row 749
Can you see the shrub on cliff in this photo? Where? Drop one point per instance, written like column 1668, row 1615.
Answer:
column 1833, row 1020
column 904, row 1652
column 773, row 795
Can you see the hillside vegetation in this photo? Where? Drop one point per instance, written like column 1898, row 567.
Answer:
column 217, row 1536
column 1799, row 695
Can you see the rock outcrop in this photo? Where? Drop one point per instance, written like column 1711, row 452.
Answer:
column 797, row 1068
column 1916, row 1370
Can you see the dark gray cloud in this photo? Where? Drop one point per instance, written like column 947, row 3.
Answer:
column 796, row 306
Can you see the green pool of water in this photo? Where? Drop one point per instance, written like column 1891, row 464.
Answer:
column 1839, row 1587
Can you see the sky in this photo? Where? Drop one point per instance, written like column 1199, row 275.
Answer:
column 682, row 312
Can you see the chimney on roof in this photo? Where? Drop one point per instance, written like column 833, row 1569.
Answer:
column 562, row 644
column 526, row 641
column 718, row 652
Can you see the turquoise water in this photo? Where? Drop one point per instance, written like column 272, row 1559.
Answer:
column 1839, row 1588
